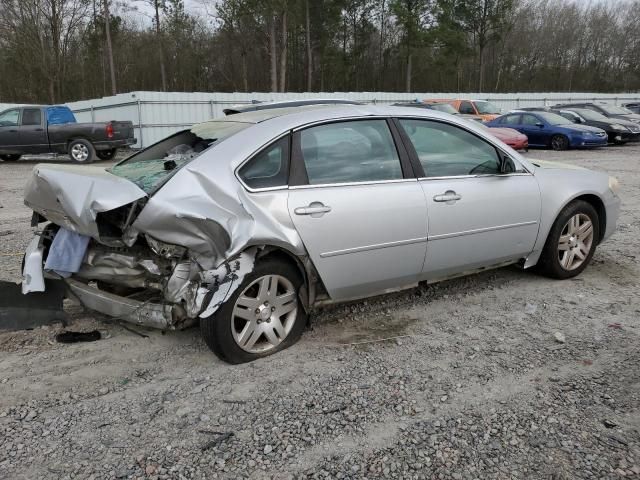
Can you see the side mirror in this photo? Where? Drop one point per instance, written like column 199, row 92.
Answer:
column 540, row 124
column 576, row 120
column 507, row 165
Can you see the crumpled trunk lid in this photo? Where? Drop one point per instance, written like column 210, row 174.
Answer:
column 73, row 195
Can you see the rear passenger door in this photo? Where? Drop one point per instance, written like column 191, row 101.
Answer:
column 32, row 135
column 357, row 206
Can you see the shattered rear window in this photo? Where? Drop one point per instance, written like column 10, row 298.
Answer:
column 151, row 167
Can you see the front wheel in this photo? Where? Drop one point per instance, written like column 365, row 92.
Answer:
column 571, row 242
column 81, row 151
column 559, row 142
column 10, row 157
column 262, row 316
column 106, row 154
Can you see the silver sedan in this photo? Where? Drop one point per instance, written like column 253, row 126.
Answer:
column 246, row 223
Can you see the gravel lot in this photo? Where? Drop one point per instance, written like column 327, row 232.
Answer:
column 475, row 386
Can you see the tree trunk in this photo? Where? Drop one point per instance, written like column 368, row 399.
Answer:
column 273, row 54
column 163, row 72
column 481, row 69
column 309, row 52
column 283, row 53
column 245, row 78
column 381, row 49
column 409, row 67
column 107, row 30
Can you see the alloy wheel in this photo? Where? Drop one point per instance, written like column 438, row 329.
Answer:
column 264, row 314
column 79, row 152
column 576, row 241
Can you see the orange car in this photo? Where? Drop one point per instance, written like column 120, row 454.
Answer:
column 484, row 109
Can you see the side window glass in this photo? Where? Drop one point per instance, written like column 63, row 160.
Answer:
column 511, row 120
column 466, row 107
column 446, row 150
column 359, row 151
column 9, row 118
column 269, row 168
column 31, row 116
column 530, row 120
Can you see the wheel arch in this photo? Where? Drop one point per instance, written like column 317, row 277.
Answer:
column 596, row 202
column 302, row 263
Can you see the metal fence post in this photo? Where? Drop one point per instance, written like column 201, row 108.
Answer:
column 211, row 109
column 140, row 123
column 93, row 115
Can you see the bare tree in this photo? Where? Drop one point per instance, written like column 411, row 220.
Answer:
column 107, row 32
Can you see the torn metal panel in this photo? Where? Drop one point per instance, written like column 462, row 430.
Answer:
column 33, row 272
column 72, row 195
column 225, row 280
column 162, row 316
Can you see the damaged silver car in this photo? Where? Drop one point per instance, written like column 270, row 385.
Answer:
column 245, row 223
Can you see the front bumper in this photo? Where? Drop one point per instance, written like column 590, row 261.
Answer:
column 580, row 142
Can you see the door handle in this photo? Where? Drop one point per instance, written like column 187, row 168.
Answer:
column 450, row 197
column 313, row 209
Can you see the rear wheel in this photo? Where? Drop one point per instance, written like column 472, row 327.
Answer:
column 81, row 150
column 10, row 157
column 262, row 317
column 571, row 242
column 106, row 154
column 559, row 142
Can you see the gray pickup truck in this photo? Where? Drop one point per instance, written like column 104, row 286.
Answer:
column 53, row 129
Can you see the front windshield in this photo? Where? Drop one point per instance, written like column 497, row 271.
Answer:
column 151, row 167
column 591, row 115
column 489, row 108
column 613, row 110
column 443, row 107
column 553, row 118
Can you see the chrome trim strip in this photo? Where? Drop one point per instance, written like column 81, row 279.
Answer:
column 352, row 184
column 377, row 246
column 481, row 230
column 449, row 177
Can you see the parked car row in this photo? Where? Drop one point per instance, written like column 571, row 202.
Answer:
column 563, row 126
column 53, row 129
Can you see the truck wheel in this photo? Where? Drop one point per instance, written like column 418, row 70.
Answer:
column 106, row 154
column 81, row 151
column 10, row 158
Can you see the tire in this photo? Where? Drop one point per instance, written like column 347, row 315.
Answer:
column 556, row 260
column 225, row 331
column 81, row 150
column 106, row 154
column 10, row 157
column 559, row 142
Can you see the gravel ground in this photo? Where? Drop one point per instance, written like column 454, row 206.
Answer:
column 474, row 386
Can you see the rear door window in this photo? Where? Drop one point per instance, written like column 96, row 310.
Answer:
column 354, row 151
column 31, row 117
column 511, row 120
column 269, row 168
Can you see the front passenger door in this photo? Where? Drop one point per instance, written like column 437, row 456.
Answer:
column 478, row 217
column 357, row 207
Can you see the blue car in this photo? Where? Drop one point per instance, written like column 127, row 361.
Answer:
column 547, row 129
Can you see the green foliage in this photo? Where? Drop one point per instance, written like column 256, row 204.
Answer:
column 54, row 50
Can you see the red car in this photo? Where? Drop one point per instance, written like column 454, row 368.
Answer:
column 513, row 138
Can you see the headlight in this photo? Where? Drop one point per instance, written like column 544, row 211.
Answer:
column 617, row 126
column 614, row 185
